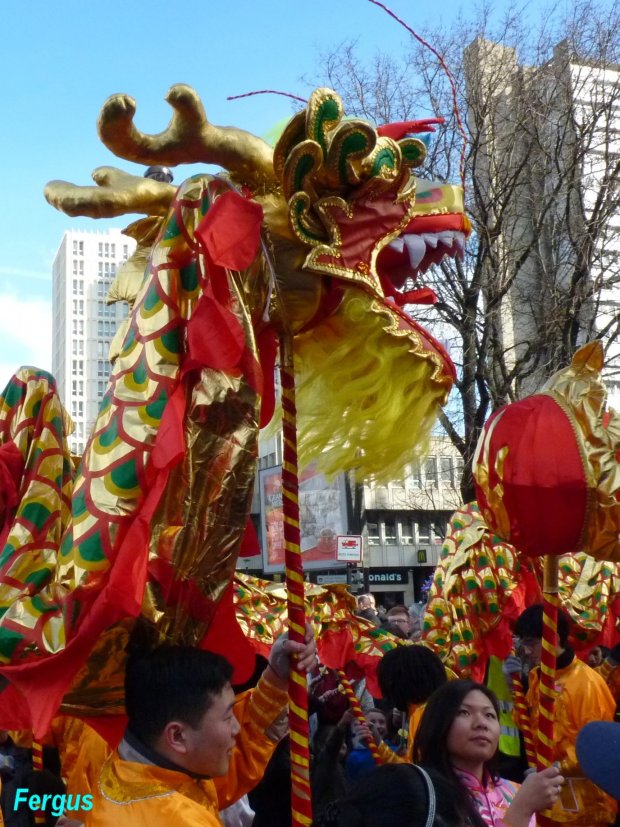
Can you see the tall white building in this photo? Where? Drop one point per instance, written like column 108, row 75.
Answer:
column 83, row 323
column 547, row 164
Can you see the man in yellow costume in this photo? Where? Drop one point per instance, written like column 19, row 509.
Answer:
column 582, row 696
column 191, row 747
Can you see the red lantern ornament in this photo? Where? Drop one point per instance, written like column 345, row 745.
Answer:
column 547, row 478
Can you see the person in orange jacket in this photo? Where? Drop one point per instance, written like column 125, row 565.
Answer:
column 191, row 748
column 582, row 696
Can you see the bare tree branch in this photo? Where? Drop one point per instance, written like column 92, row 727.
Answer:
column 543, row 191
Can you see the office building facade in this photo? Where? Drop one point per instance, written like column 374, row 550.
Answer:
column 83, row 324
column 548, row 172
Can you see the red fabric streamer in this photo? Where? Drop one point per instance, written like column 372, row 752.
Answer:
column 230, row 231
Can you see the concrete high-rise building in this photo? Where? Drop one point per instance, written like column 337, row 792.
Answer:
column 83, row 324
column 547, row 160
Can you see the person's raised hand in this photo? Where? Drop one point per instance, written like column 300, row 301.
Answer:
column 538, row 792
column 512, row 665
column 347, row 719
column 285, row 652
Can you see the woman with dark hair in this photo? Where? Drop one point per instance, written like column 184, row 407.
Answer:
column 394, row 794
column 458, row 737
column 408, row 676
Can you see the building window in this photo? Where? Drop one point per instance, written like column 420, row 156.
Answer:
column 424, row 530
column 446, row 470
column 75, row 266
column 113, row 250
column 416, row 475
column 389, row 532
column 100, row 248
column 108, row 311
column 430, row 471
column 107, row 329
column 125, row 251
column 75, row 247
column 107, row 249
column 407, row 532
column 374, row 538
column 81, row 248
column 439, row 532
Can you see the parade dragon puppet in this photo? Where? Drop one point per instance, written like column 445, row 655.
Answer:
column 318, row 239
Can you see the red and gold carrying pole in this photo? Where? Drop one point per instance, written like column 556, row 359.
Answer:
column 522, row 718
column 37, row 766
column 354, row 703
column 548, row 662
column 301, row 801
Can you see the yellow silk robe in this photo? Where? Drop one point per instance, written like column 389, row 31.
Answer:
column 130, row 794
column 582, row 696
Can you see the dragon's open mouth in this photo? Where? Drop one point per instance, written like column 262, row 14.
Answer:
column 438, row 228
column 413, row 253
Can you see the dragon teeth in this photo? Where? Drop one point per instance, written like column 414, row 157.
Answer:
column 446, row 237
column 398, row 244
column 416, row 247
column 431, row 239
column 417, row 244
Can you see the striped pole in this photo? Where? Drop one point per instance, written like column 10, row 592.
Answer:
column 301, row 801
column 37, row 766
column 354, row 703
column 522, row 718
column 548, row 659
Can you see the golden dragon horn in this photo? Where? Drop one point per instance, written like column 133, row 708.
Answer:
column 188, row 138
column 116, row 193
